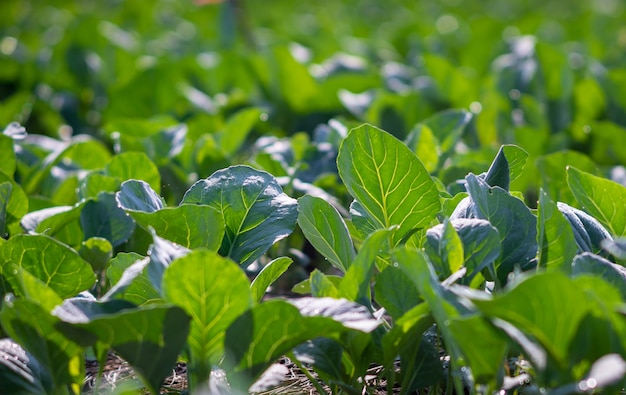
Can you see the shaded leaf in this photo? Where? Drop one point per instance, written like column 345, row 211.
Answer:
column 395, row 292
column 103, row 218
column 130, row 280
column 60, row 222
column 97, row 251
column 20, row 372
column 587, row 263
column 162, row 253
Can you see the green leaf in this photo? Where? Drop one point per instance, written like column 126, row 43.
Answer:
column 406, row 331
column 58, row 355
column 420, row 367
column 137, row 195
column 8, row 164
column 257, row 213
column 162, row 253
column 587, row 263
column 506, row 167
column 552, row 168
column 5, row 195
column 214, row 291
column 396, row 292
column 604, row 199
column 60, row 222
column 516, row 225
column 423, row 142
column 191, row 226
column 547, row 306
column 103, row 218
column 134, row 165
column 324, row 356
column 388, row 180
column 30, row 287
column 268, row 275
column 448, row 126
column 481, row 245
column 149, row 339
column 97, row 251
column 356, row 283
column 16, row 206
column 95, row 183
column 445, row 249
column 236, row 130
column 20, row 372
column 326, row 231
column 130, row 280
column 557, row 246
column 268, row 330
column 52, row 262
column 322, row 285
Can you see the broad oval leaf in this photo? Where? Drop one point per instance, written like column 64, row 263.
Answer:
column 257, row 213
column 214, row 291
column 602, row 198
column 326, row 231
column 52, row 262
column 388, row 180
column 60, row 222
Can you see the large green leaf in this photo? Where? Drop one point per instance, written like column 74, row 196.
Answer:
column 547, row 306
column 54, row 263
column 557, row 246
column 614, row 274
column 257, row 213
column 8, row 164
column 395, row 292
column 445, row 249
column 326, row 231
column 516, row 225
column 149, row 339
column 214, row 291
column 58, row 355
column 137, row 195
column 604, row 199
column 236, row 130
column 589, row 234
column 448, row 126
column 388, row 180
column 103, row 218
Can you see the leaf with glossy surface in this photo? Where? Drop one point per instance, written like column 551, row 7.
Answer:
column 602, row 198
column 103, row 218
column 445, row 249
column 137, row 195
column 268, row 275
column 557, row 246
column 506, row 167
column 516, row 225
column 54, row 263
column 257, row 213
column 388, row 180
column 214, row 291
column 326, row 231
